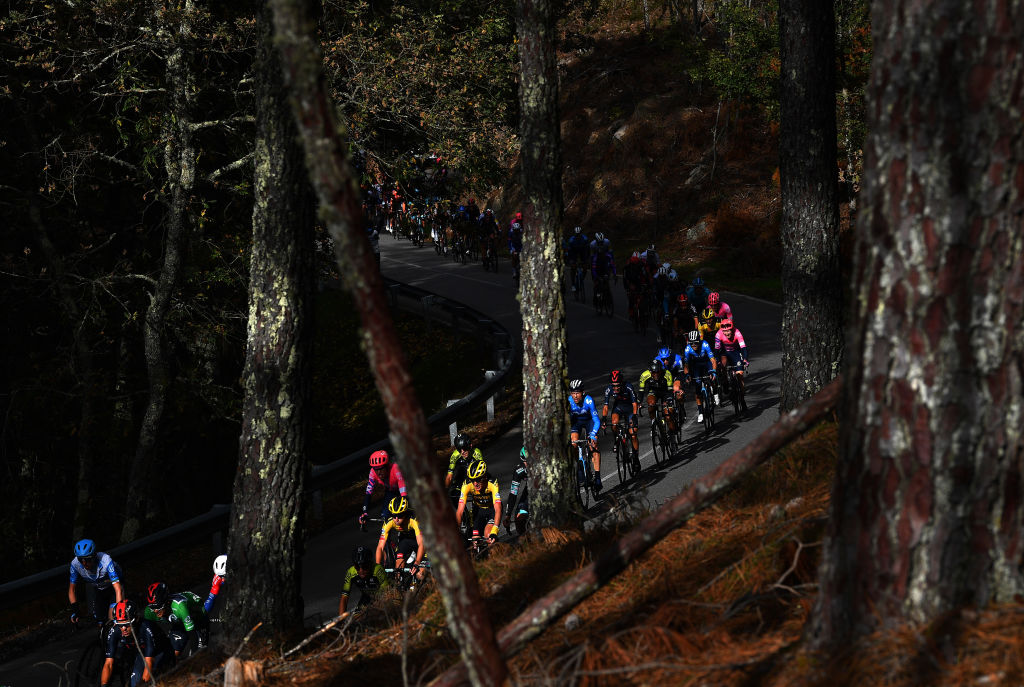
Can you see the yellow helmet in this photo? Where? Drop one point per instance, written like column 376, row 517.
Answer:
column 476, row 470
column 399, row 505
column 707, row 313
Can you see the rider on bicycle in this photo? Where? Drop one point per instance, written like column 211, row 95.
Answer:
column 220, row 573
column 634, row 277
column 579, row 253
column 143, row 638
column 365, row 575
column 684, row 319
column 583, row 418
column 621, row 397
column 462, row 455
column 729, row 344
column 708, row 321
column 385, row 474
column 656, row 381
column 698, row 293
column 518, row 497
column 402, row 534
column 720, row 307
column 482, row 490
column 600, row 241
column 674, row 364
column 103, row 577
column 180, row 616
column 602, row 264
column 697, row 362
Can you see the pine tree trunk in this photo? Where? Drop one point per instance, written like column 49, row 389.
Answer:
column 265, row 539
column 927, row 514
column 545, row 412
column 179, row 161
column 812, row 334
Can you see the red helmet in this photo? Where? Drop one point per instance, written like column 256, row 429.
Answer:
column 616, row 376
column 378, row 459
column 683, row 300
column 519, row 217
column 713, row 298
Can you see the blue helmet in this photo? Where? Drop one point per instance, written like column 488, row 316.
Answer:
column 664, row 353
column 698, row 282
column 85, row 547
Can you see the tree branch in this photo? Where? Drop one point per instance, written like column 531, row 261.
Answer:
column 237, row 164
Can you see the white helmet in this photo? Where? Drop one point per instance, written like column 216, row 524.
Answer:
column 220, row 565
column 599, row 237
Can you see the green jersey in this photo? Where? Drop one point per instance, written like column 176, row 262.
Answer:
column 186, row 609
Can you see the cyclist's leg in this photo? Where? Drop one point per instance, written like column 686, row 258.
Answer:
column 652, row 400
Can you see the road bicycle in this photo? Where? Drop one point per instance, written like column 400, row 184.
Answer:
column 707, row 402
column 736, row 391
column 92, row 657
column 603, row 302
column 640, row 311
column 404, row 578
column 579, row 291
column 515, row 269
column 622, row 447
column 582, row 471
column 663, row 441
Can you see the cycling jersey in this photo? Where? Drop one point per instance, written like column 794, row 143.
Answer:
column 106, row 573
column 488, row 498
column 584, row 416
column 624, row 399
column 670, row 362
column 736, row 343
column 518, row 495
column 515, row 240
column 650, row 385
column 579, row 248
column 394, row 482
column 698, row 296
column 367, row 585
column 702, row 359
column 153, row 641
column 634, row 276
column 218, row 580
column 459, row 470
column 601, row 264
column 724, row 312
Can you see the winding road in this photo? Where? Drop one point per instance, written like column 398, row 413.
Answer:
column 596, row 345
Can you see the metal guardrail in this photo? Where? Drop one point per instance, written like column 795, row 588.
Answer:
column 433, row 308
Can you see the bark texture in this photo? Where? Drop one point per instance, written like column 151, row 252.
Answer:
column 541, row 301
column 179, row 163
column 926, row 512
column 265, row 538
column 812, row 334
column 326, row 146
column 699, row 495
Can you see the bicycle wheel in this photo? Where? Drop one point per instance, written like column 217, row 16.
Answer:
column 734, row 393
column 626, row 449
column 664, row 442
column 620, row 460
column 609, row 302
column 708, row 408
column 87, row 669
column 579, row 481
column 654, row 443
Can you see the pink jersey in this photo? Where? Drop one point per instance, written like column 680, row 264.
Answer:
column 724, row 311
column 395, row 481
column 723, row 345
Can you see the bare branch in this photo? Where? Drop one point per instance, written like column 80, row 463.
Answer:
column 237, row 164
column 227, row 122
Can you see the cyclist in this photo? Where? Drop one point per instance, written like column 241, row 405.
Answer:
column 698, row 361
column 579, row 253
column 365, row 575
column 102, row 577
column 634, row 276
column 186, row 620
column 656, row 381
column 220, row 573
column 518, row 497
column 674, row 364
column 515, row 244
column 600, row 241
column 708, row 322
column 583, row 417
column 483, row 491
column 721, row 308
column 402, row 534
column 621, row 397
column 729, row 344
column 463, row 453
column 385, row 474
column 602, row 263
column 144, row 638
column 698, row 293
column 651, row 260
column 684, row 319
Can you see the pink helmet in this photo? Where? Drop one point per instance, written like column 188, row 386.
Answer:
column 378, row 459
column 713, row 298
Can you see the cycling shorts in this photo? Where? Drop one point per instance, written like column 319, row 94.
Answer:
column 582, row 427
column 733, row 357
column 626, row 412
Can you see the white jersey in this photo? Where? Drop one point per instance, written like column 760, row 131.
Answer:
column 106, row 572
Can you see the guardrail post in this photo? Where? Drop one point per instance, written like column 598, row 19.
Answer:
column 489, row 374
column 453, row 428
column 393, row 291
column 504, row 355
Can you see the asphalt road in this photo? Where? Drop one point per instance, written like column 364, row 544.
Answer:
column 596, row 346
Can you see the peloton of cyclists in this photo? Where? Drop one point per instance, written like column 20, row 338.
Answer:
column 621, row 397
column 584, row 419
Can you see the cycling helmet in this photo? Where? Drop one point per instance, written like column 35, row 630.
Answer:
column 713, row 298
column 516, row 226
column 519, row 216
column 578, row 230
column 463, row 442
column 650, row 248
column 398, row 506
column 664, row 353
column 698, row 282
column 156, row 595
column 657, row 367
column 707, row 313
column 635, row 256
column 522, row 454
column 726, row 325
column 124, row 612
column 378, row 459
column 663, row 270
column 683, row 300
column 220, row 565
column 576, row 385
column 616, row 377
column 694, row 337
column 476, row 470
column 599, row 237
column 85, row 547
column 362, row 558
column 673, row 276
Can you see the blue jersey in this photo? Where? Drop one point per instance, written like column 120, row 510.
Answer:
column 602, row 264
column 152, row 640
column 515, row 239
column 579, row 248
column 584, row 416
column 106, row 572
column 704, row 357
column 668, row 361
column 698, row 296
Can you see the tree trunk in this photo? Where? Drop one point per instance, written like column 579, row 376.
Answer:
column 265, row 539
column 926, row 512
column 324, row 140
column 179, row 161
column 545, row 413
column 812, row 334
